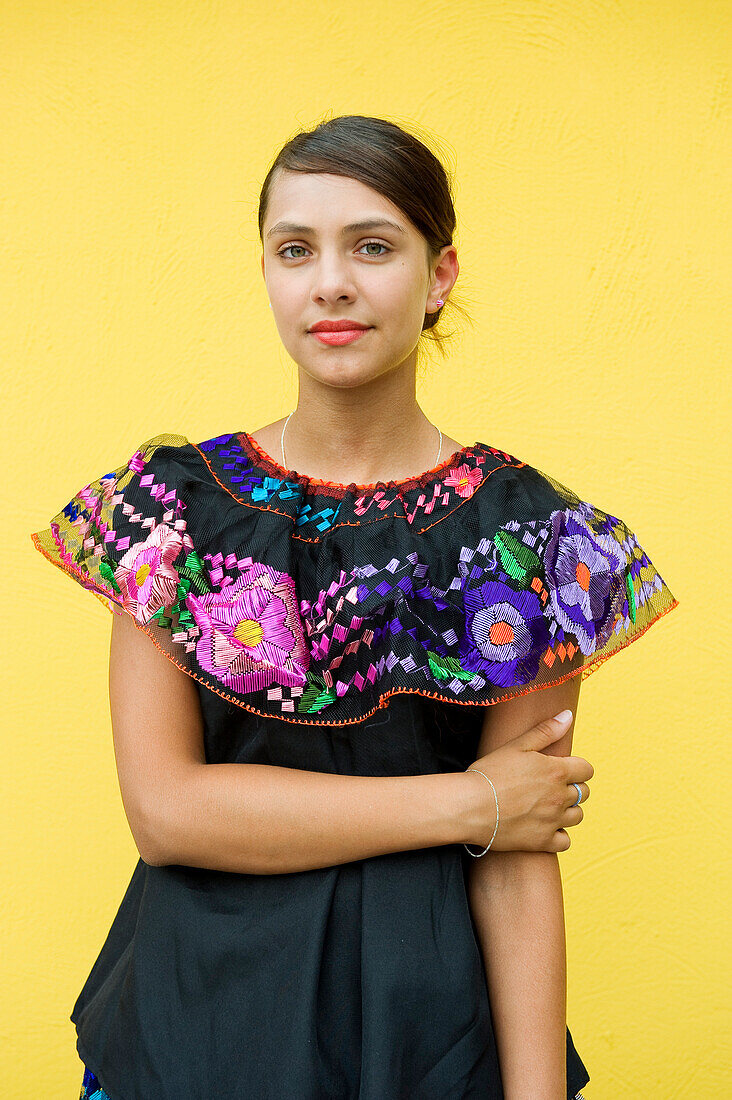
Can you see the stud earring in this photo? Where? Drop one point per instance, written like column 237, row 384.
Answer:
column 440, row 303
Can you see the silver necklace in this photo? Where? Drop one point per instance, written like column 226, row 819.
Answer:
column 282, row 443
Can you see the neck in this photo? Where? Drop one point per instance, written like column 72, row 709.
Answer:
column 367, row 453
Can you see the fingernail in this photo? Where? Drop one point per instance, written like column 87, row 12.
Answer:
column 563, row 716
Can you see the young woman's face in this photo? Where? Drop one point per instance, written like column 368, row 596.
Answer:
column 318, row 267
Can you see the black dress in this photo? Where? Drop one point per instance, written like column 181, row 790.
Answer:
column 349, row 629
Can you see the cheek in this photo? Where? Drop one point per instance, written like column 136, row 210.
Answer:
column 289, row 303
column 396, row 293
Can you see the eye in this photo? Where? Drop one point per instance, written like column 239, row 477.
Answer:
column 287, row 248
column 379, row 244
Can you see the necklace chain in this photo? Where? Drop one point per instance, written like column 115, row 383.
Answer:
column 282, row 443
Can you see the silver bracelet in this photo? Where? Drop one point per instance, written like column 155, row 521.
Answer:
column 478, row 854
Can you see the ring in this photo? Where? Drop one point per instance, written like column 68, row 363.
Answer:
column 579, row 795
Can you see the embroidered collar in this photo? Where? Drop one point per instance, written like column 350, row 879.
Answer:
column 254, row 478
column 260, row 457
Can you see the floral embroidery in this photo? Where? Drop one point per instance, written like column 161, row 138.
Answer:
column 585, row 578
column 285, row 597
column 506, row 633
column 251, row 634
column 464, row 479
column 145, row 576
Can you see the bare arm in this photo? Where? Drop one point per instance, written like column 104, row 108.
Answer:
column 256, row 818
column 517, row 904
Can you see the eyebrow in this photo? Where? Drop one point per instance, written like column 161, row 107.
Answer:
column 366, row 226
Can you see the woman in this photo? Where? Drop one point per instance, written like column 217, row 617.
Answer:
column 365, row 650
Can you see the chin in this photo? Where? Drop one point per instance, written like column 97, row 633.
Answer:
column 343, row 375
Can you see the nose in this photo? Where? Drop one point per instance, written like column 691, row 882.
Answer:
column 332, row 281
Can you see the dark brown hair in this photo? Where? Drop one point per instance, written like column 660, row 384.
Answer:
column 387, row 158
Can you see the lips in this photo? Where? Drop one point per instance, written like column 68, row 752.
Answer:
column 337, row 326
column 338, row 339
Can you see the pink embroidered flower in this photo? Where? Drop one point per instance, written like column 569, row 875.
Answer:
column 251, row 632
column 146, row 575
column 464, row 479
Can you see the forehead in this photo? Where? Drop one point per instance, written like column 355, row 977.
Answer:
column 326, row 202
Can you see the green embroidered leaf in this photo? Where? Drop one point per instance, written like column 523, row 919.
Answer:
column 106, row 568
column 316, row 695
column 447, row 668
column 162, row 616
column 517, row 559
column 631, row 594
column 193, row 571
column 179, row 608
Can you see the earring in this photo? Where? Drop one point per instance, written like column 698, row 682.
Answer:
column 440, row 303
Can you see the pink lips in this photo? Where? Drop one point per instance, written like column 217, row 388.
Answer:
column 346, row 336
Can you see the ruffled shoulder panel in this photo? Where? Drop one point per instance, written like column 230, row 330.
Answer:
column 478, row 581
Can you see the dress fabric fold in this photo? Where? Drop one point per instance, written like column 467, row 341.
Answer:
column 313, row 602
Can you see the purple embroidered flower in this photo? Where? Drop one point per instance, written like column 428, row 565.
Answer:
column 146, row 575
column 585, row 578
column 464, row 479
column 251, row 632
column 506, row 633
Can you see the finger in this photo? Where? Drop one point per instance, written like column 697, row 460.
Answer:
column 572, row 794
column 579, row 770
column 572, row 816
column 546, row 732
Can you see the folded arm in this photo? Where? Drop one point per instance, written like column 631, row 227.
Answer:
column 252, row 818
column 517, row 904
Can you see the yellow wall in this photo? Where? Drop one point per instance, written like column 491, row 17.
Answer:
column 588, row 140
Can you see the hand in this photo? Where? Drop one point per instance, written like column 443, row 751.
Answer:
column 535, row 793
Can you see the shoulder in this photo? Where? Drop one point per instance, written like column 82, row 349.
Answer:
column 161, row 444
column 522, row 490
column 451, row 446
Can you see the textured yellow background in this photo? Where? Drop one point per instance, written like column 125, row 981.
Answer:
column 589, row 141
